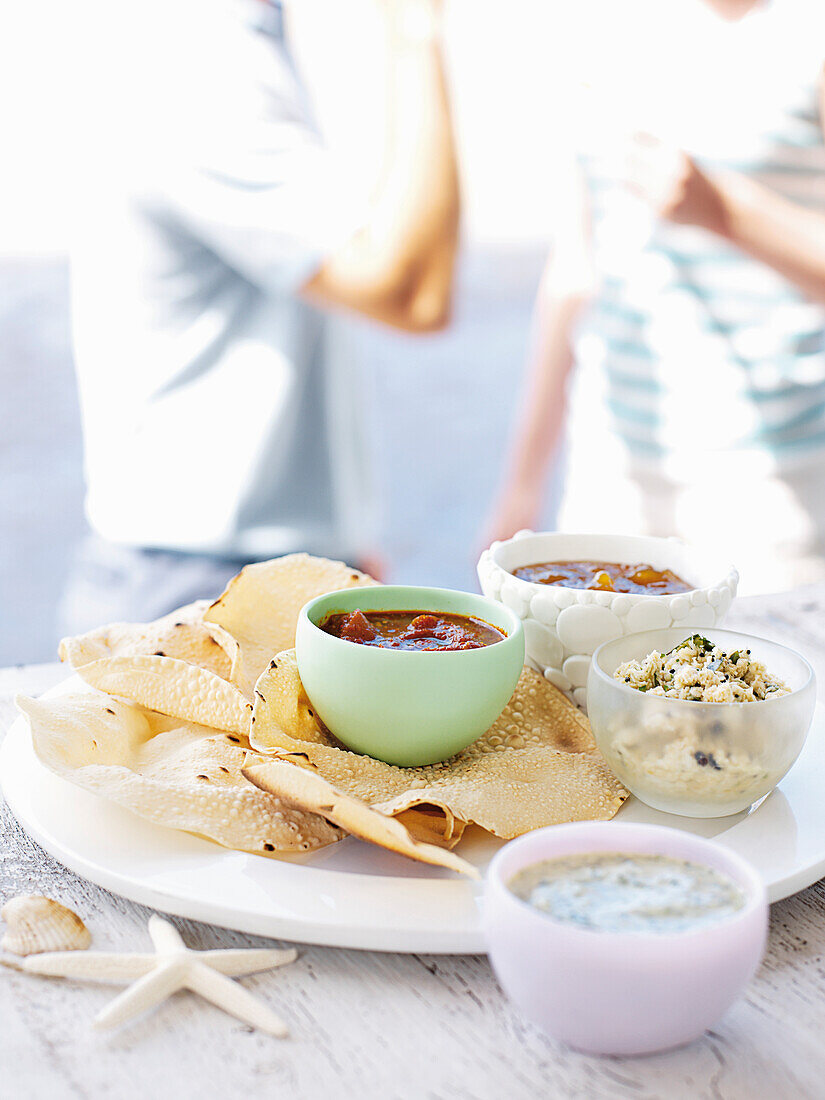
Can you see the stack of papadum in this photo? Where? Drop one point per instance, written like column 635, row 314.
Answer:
column 200, row 722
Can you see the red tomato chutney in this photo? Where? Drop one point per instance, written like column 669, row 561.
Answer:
column 604, row 576
column 412, row 630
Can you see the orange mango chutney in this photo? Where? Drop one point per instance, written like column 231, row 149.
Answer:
column 604, row 576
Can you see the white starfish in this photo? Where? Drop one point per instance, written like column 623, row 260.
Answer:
column 172, row 966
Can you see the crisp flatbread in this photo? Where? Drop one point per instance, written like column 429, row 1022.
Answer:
column 307, row 790
column 181, row 634
column 198, row 671
column 194, row 669
column 257, row 614
column 170, row 772
column 537, row 765
column 432, row 825
column 173, row 665
column 172, row 687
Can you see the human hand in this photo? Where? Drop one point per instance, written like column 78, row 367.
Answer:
column 518, row 507
column 672, row 185
column 374, row 564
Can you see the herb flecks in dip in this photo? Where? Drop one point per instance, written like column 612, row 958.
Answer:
column 604, row 576
column 698, row 670
column 412, row 630
column 628, row 892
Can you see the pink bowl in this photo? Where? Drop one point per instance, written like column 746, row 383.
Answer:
column 610, row 993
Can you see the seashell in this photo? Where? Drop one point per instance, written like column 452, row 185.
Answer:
column 38, row 924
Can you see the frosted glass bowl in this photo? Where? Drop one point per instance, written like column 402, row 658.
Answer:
column 564, row 626
column 699, row 759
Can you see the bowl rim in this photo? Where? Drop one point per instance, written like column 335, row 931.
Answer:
column 745, row 876
column 514, row 633
column 729, row 579
column 596, row 669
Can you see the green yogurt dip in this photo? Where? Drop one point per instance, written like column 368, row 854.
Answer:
column 628, row 892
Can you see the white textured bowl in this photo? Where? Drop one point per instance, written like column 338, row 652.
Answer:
column 620, row 993
column 564, row 626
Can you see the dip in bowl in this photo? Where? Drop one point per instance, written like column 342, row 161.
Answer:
column 405, row 674
column 692, row 757
column 667, row 976
column 666, row 583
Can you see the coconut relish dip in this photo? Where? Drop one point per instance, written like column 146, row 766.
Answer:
column 701, row 671
column 628, row 892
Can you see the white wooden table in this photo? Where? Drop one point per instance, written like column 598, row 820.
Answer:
column 369, row 1025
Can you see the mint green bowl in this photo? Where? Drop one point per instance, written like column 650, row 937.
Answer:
column 407, row 707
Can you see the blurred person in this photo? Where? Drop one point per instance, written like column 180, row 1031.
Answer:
column 221, row 412
column 679, row 349
column 440, row 407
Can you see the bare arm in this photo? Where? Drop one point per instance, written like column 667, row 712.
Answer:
column 565, row 287
column 398, row 269
column 788, row 237
column 785, row 236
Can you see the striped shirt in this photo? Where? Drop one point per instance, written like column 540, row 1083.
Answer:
column 692, row 348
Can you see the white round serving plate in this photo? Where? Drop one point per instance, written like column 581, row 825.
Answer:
column 354, row 894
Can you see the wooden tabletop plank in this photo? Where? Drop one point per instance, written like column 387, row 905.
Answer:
column 380, row 1025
